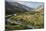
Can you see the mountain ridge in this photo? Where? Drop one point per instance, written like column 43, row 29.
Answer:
column 14, row 7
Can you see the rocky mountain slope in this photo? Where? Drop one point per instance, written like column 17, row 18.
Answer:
column 13, row 7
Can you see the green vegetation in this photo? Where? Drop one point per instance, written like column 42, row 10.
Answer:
column 34, row 19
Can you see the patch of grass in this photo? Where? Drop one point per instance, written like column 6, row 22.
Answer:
column 35, row 19
column 27, row 18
